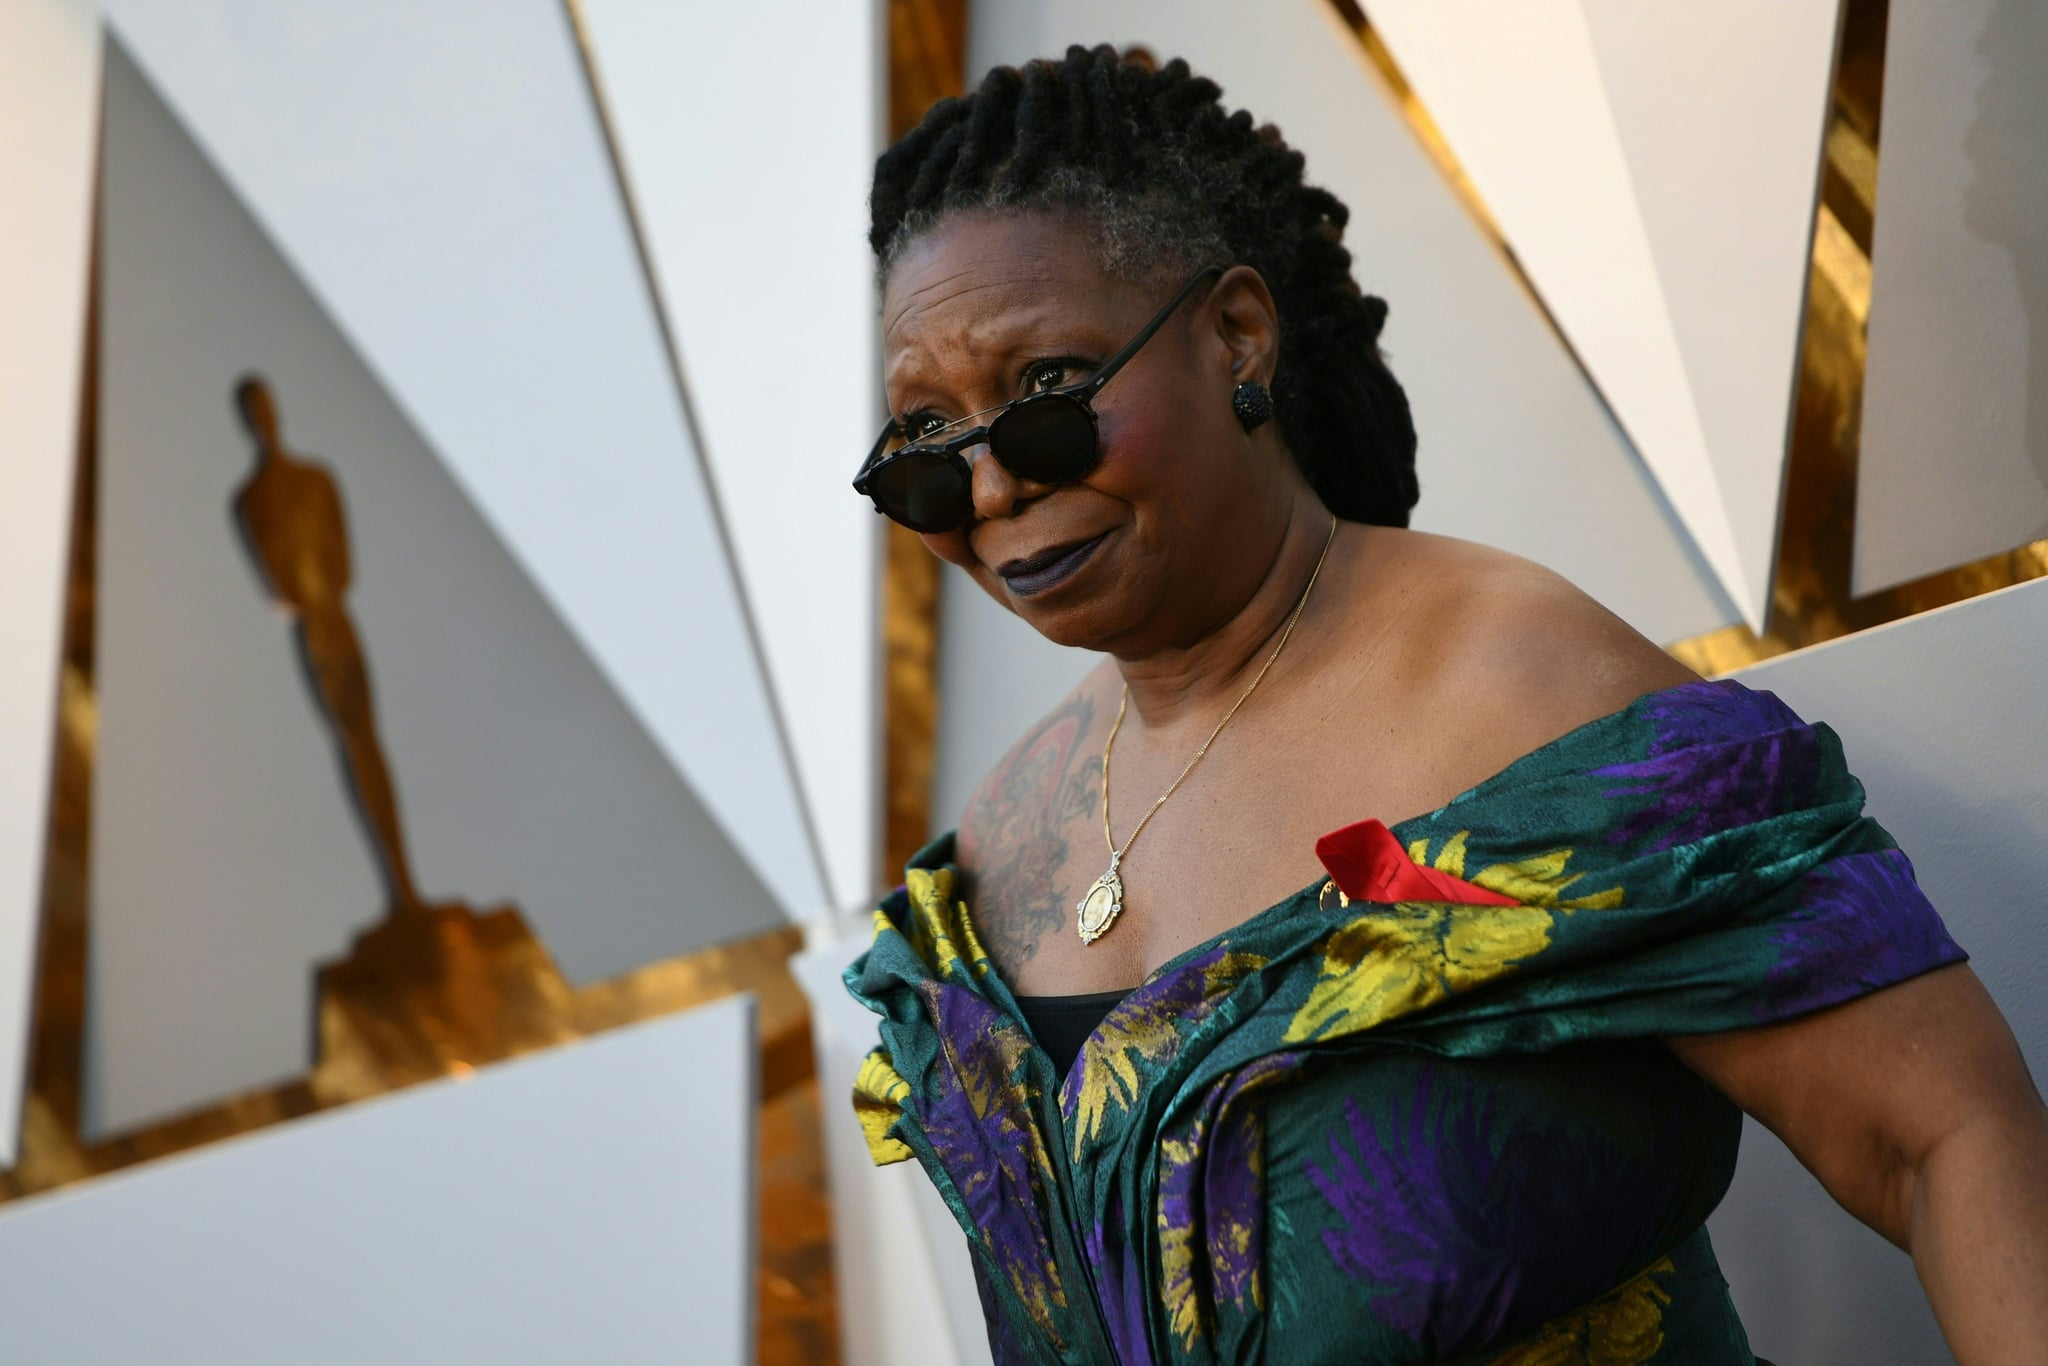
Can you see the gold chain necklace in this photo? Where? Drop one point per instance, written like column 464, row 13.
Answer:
column 1105, row 900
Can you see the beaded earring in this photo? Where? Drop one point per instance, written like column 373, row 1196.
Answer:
column 1252, row 404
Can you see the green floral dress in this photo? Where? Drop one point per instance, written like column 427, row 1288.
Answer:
column 1421, row 1111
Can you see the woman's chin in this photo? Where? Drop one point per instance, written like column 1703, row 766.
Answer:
column 1081, row 621
column 1062, row 631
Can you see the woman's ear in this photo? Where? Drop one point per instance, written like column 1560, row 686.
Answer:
column 1247, row 324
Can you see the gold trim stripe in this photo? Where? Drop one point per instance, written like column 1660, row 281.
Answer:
column 927, row 63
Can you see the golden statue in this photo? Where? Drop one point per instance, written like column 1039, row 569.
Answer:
column 432, row 986
column 290, row 513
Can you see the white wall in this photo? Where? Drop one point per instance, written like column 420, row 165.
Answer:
column 49, row 95
column 759, row 239
column 227, row 861
column 1720, row 111
column 438, row 176
column 1516, row 91
column 1655, row 170
column 594, row 1202
column 1954, row 461
column 1941, row 716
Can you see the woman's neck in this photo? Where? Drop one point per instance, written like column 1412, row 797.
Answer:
column 1192, row 685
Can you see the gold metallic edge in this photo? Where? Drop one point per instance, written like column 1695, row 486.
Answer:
column 927, row 44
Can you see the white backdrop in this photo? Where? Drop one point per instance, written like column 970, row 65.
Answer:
column 1954, row 461
column 1654, row 168
column 592, row 1203
column 753, row 195
column 49, row 110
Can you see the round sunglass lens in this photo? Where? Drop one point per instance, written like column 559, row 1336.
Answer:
column 1046, row 440
column 924, row 492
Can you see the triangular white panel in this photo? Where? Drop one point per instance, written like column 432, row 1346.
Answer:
column 1721, row 111
column 1954, row 458
column 758, row 232
column 226, row 862
column 590, row 1203
column 49, row 101
column 439, row 176
column 1517, row 92
column 224, row 847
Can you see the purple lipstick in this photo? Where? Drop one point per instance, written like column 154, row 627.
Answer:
column 1027, row 578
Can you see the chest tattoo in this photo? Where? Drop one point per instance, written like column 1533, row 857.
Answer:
column 1021, row 824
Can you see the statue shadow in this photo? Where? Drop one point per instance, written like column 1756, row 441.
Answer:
column 2006, row 203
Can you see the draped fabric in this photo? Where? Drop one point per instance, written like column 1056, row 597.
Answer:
column 1431, row 1122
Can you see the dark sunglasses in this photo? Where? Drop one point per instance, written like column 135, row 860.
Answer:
column 1048, row 438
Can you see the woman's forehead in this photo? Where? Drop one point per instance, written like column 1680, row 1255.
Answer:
column 987, row 319
column 982, row 285
column 982, row 262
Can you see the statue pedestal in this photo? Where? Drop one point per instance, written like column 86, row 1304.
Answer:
column 432, row 990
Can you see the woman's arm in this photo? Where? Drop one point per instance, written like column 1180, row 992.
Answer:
column 1912, row 1105
column 1914, row 1109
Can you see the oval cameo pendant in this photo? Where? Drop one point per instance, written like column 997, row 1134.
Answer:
column 1100, row 908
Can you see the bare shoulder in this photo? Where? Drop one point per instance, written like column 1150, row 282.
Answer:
column 1024, row 819
column 1512, row 654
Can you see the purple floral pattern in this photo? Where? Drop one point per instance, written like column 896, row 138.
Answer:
column 1721, row 755
column 979, row 1124
column 1211, row 1214
column 1445, row 1211
column 1120, row 1286
column 1857, row 923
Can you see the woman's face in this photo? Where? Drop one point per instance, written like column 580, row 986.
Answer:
column 1170, row 532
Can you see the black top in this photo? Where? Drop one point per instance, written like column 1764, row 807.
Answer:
column 1061, row 1024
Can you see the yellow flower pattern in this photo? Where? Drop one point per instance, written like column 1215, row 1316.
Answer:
column 1387, row 964
column 939, row 928
column 1391, row 963
column 1219, row 1261
column 1140, row 1035
column 878, row 1095
column 1536, row 881
column 1624, row 1327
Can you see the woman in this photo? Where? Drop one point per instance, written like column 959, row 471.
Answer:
column 1472, row 1090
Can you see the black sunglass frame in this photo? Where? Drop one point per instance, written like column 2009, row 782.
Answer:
column 948, row 452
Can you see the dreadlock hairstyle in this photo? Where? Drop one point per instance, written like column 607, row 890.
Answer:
column 1167, row 178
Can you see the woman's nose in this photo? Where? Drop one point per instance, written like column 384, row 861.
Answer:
column 997, row 491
